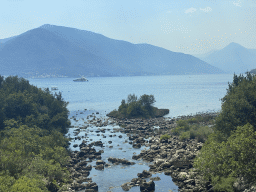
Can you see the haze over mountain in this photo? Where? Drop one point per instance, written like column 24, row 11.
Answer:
column 62, row 51
column 233, row 58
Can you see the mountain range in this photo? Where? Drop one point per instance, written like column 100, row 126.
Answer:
column 62, row 51
column 233, row 58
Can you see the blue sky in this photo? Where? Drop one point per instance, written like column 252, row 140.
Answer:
column 186, row 26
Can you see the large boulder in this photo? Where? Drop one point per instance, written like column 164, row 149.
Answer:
column 147, row 186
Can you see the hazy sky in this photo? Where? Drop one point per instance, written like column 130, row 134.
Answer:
column 188, row 26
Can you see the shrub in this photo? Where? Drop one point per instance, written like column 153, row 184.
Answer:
column 200, row 133
column 186, row 131
column 193, row 120
column 138, row 108
column 165, row 137
column 222, row 161
column 33, row 149
column 184, row 135
column 238, row 105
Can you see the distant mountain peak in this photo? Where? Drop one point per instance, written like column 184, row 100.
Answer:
column 46, row 26
column 234, row 45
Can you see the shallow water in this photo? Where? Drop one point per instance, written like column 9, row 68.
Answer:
column 111, row 178
column 182, row 95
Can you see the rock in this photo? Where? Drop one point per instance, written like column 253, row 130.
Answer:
column 147, row 186
column 144, row 174
column 126, row 186
column 155, row 178
column 118, row 161
column 99, row 167
column 100, row 162
column 154, row 147
column 136, row 145
column 91, row 186
column 75, row 145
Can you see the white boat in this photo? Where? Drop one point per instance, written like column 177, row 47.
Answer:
column 82, row 79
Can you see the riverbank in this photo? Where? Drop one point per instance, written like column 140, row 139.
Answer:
column 172, row 156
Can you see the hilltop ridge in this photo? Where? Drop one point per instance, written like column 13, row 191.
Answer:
column 64, row 51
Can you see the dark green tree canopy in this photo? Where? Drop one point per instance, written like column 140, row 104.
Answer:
column 238, row 105
column 26, row 103
column 229, row 155
column 138, row 108
column 33, row 149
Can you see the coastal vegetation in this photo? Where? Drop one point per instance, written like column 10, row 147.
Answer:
column 228, row 157
column 138, row 108
column 33, row 149
column 194, row 128
column 165, row 137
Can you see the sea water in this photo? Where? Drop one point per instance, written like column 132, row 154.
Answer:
column 181, row 94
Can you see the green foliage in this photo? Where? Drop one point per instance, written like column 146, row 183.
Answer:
column 6, row 182
column 200, row 133
column 184, row 135
column 225, row 161
column 25, row 184
column 187, row 130
column 33, row 149
column 134, row 108
column 165, row 137
column 238, row 105
column 229, row 153
column 32, row 106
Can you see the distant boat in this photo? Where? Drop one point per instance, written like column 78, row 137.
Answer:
column 54, row 88
column 82, row 79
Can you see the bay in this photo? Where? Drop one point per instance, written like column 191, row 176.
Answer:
column 181, row 94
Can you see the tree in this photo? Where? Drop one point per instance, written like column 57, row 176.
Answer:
column 33, row 149
column 229, row 153
column 224, row 162
column 147, row 102
column 238, row 105
column 131, row 98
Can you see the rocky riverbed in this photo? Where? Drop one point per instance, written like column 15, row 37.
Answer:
column 172, row 157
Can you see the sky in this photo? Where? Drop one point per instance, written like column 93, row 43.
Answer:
column 187, row 26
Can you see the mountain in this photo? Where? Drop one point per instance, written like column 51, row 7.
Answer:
column 39, row 51
column 233, row 58
column 201, row 56
column 61, row 51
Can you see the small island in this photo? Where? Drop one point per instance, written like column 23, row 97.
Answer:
column 138, row 108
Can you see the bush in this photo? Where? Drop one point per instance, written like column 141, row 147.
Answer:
column 225, row 161
column 238, row 105
column 138, row 108
column 184, row 135
column 33, row 149
column 165, row 137
column 186, row 131
column 29, row 185
column 201, row 133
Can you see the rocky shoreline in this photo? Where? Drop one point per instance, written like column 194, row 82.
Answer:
column 172, row 156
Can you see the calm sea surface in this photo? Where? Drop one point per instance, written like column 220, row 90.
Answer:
column 181, row 94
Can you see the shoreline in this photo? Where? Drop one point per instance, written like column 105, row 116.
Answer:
column 172, row 157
